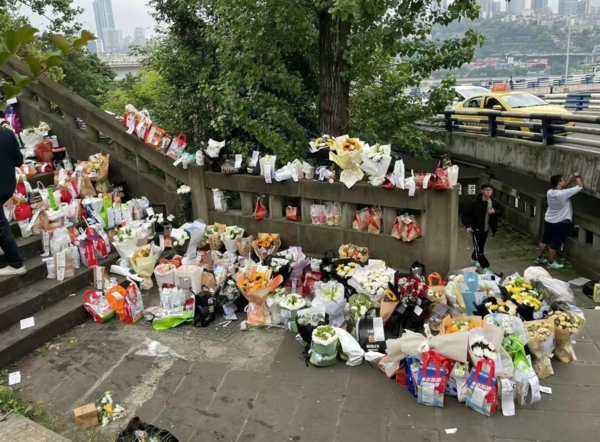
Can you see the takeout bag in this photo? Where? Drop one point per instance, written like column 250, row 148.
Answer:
column 431, row 382
column 482, row 390
column 98, row 307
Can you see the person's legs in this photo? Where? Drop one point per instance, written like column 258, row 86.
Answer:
column 481, row 240
column 547, row 235
column 7, row 241
column 558, row 239
column 474, row 254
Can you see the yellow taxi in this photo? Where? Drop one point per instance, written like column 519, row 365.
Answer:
column 518, row 102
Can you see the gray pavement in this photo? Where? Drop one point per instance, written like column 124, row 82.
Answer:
column 251, row 386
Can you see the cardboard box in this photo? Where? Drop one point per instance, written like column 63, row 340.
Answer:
column 86, row 416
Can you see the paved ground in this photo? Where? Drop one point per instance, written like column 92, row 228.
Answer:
column 16, row 428
column 251, row 386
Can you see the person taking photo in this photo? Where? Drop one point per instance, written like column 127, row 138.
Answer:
column 479, row 219
column 558, row 218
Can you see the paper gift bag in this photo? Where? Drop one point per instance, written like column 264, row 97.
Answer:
column 87, row 188
column 86, row 416
column 375, row 220
column 260, row 212
column 411, row 229
column 397, row 228
column 360, row 221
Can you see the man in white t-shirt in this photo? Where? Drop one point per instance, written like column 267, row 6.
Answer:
column 558, row 217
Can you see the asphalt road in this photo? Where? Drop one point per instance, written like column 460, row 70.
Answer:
column 585, row 137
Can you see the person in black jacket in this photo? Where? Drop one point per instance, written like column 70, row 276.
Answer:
column 479, row 219
column 10, row 157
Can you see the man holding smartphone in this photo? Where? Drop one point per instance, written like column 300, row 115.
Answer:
column 558, row 217
column 479, row 219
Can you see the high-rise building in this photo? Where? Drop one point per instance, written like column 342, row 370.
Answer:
column 567, row 7
column 515, row 7
column 496, row 7
column 111, row 38
column 583, row 7
column 539, row 4
column 139, row 38
column 95, row 47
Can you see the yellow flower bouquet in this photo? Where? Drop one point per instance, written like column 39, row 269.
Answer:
column 255, row 284
column 346, row 153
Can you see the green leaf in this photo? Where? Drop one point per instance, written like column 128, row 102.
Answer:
column 3, row 107
column 87, row 36
column 61, row 43
column 53, row 60
column 34, row 65
column 12, row 40
column 4, row 57
column 10, row 90
column 27, row 33
column 79, row 42
column 20, row 79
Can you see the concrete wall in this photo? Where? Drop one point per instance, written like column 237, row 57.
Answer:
column 590, row 87
column 526, row 157
column 437, row 212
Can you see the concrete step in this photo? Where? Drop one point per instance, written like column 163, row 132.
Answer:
column 46, row 292
column 36, row 270
column 50, row 322
column 30, row 247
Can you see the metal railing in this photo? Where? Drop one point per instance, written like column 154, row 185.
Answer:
column 547, row 128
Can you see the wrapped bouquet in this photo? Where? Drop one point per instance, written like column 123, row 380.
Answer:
column 230, row 236
column 372, row 280
column 331, row 296
column 255, row 284
column 376, row 162
column 323, row 142
column 346, row 154
column 565, row 326
column 354, row 252
column 266, row 244
column 527, row 299
column 541, row 345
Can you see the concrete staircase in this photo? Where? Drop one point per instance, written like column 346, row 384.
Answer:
column 49, row 301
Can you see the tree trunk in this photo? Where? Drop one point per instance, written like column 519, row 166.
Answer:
column 334, row 89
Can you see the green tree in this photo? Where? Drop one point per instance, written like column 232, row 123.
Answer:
column 87, row 76
column 275, row 72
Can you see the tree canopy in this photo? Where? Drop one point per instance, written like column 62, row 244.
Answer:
column 274, row 73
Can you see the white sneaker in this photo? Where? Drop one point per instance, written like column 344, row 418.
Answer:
column 9, row 271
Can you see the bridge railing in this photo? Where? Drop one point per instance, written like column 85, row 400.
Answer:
column 547, row 128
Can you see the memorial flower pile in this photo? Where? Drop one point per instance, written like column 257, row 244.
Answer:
column 374, row 282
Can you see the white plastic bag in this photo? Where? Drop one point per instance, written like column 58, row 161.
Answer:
column 399, row 174
column 60, row 241
column 534, row 272
column 350, row 347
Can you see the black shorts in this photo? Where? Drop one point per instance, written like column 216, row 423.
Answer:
column 555, row 234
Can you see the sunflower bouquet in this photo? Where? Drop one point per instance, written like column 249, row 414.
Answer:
column 266, row 244
column 346, row 153
column 255, row 284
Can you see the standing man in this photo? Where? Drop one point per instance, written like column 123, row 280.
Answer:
column 511, row 83
column 10, row 157
column 481, row 217
column 558, row 217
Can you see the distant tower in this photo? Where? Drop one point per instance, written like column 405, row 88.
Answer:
column 105, row 25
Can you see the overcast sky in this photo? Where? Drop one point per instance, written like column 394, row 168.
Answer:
column 128, row 14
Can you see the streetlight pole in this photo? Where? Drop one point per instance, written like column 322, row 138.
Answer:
column 568, row 48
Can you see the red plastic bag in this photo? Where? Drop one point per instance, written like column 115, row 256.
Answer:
column 23, row 212
column 43, row 152
column 260, row 212
column 441, row 180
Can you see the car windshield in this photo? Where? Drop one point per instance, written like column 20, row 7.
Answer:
column 469, row 92
column 523, row 100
